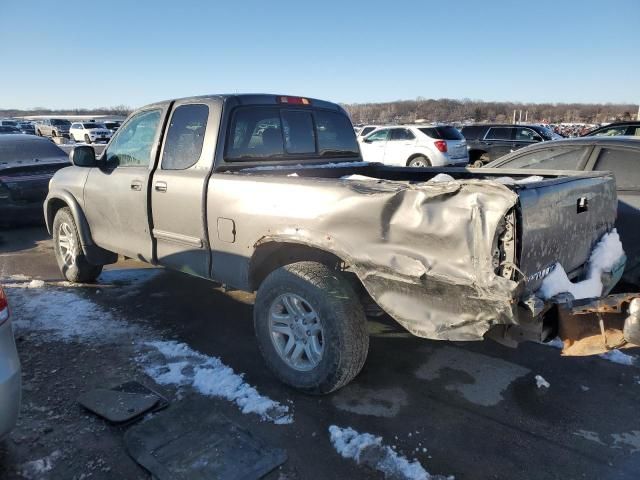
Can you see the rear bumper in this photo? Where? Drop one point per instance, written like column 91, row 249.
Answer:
column 10, row 383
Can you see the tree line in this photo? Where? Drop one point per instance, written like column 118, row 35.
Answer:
column 122, row 110
column 466, row 110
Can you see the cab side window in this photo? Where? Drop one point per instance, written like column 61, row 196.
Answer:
column 185, row 136
column 378, row 136
column 133, row 143
column 499, row 133
column 527, row 135
column 401, row 134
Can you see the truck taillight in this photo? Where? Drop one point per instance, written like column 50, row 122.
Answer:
column 441, row 145
column 4, row 307
column 294, row 100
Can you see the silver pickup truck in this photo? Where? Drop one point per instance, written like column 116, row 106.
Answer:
column 269, row 193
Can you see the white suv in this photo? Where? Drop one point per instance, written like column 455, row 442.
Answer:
column 89, row 132
column 416, row 146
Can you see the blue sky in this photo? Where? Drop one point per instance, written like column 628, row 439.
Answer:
column 137, row 52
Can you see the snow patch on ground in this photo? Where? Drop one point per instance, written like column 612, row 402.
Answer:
column 181, row 366
column 541, row 382
column 35, row 469
column 64, row 316
column 616, row 356
column 367, row 449
column 606, row 254
column 31, row 284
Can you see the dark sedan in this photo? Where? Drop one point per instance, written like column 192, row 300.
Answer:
column 6, row 129
column 27, row 163
column 620, row 155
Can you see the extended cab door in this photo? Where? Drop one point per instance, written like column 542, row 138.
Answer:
column 116, row 193
column 179, row 186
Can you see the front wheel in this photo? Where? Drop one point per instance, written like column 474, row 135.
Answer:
column 71, row 260
column 311, row 327
column 87, row 140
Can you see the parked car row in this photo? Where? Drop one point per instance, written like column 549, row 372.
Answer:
column 87, row 132
column 485, row 142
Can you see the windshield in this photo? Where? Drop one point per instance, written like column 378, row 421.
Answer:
column 92, row 125
column 55, row 121
column 9, row 123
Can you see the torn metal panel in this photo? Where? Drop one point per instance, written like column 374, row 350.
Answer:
column 597, row 326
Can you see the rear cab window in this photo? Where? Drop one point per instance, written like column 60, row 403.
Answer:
column 286, row 133
column 624, row 164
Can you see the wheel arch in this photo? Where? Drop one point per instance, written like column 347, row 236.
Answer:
column 272, row 253
column 61, row 199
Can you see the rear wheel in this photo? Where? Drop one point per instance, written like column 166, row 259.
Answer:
column 311, row 327
column 419, row 161
column 71, row 260
column 54, row 134
column 87, row 140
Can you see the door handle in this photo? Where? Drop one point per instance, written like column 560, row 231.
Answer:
column 161, row 186
column 136, row 185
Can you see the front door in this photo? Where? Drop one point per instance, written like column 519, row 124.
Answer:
column 372, row 147
column 400, row 146
column 116, row 193
column 179, row 184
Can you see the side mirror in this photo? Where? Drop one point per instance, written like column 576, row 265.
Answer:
column 83, row 156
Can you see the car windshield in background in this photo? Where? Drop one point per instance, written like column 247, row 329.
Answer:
column 8, row 129
column 442, row 133
column 12, row 151
column 92, row 125
column 10, row 123
column 55, row 121
column 269, row 132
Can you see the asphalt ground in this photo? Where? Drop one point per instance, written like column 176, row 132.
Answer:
column 471, row 410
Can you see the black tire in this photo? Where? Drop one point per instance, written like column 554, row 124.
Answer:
column 38, row 133
column 87, row 140
column 419, row 162
column 345, row 336
column 75, row 268
column 54, row 134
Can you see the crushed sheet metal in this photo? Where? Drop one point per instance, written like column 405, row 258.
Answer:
column 424, row 251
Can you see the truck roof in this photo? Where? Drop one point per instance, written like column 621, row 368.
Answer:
column 254, row 99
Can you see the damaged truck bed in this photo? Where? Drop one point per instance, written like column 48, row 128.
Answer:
column 269, row 193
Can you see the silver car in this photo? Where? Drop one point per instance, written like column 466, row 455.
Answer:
column 9, row 371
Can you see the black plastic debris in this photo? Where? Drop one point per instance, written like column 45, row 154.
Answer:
column 192, row 441
column 124, row 403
